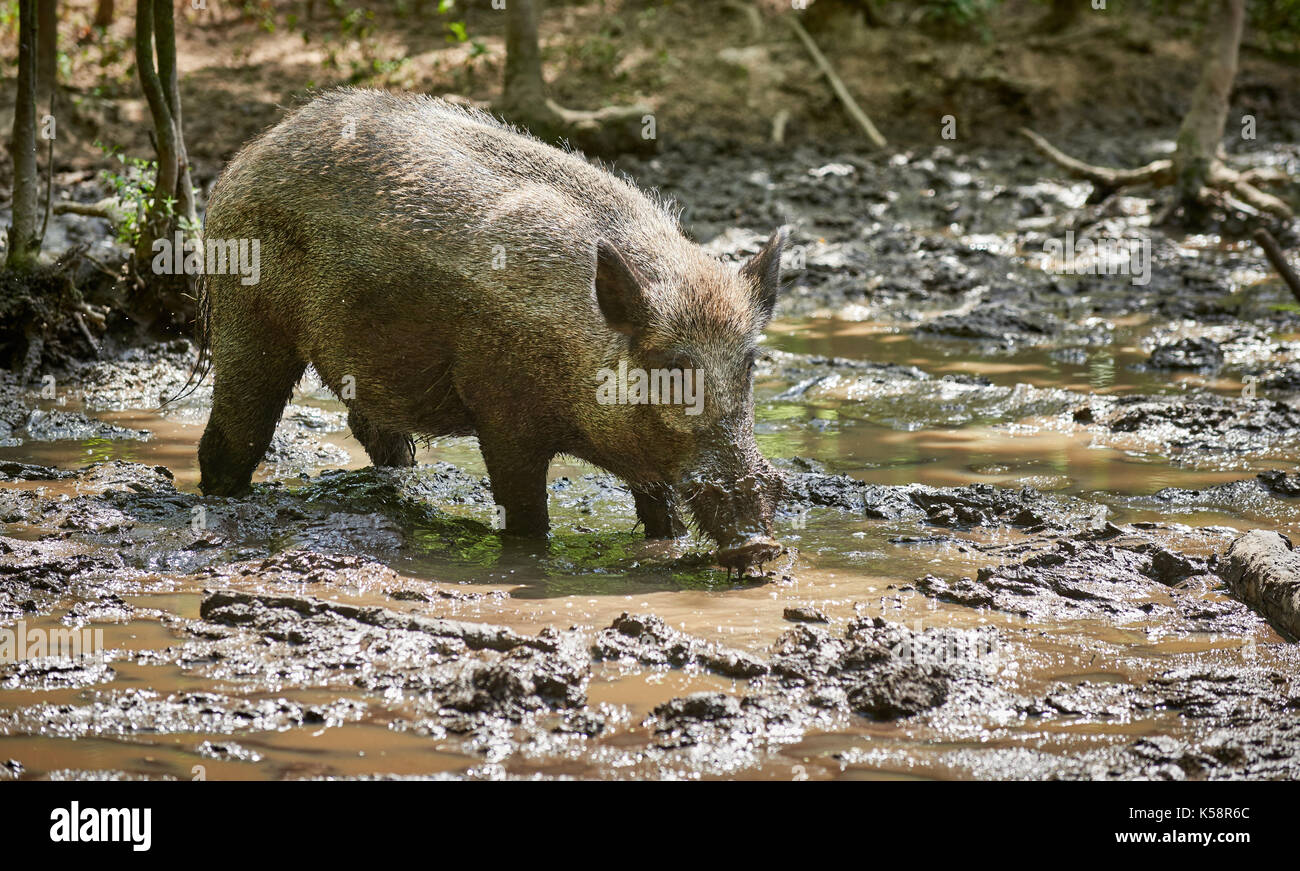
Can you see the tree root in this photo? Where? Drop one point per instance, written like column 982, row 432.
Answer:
column 1229, row 180
column 43, row 316
column 579, row 119
column 604, row 132
column 1277, row 257
column 1160, row 173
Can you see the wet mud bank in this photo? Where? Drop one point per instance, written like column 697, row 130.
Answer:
column 1034, row 526
column 312, row 608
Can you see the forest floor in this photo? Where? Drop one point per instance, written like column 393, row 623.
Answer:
column 1012, row 485
column 1011, row 491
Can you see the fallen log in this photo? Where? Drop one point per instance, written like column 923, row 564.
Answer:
column 1262, row 568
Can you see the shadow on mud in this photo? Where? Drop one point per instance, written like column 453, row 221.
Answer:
column 614, row 559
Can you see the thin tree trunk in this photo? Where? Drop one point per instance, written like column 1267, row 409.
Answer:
column 828, row 16
column 24, row 244
column 47, row 50
column 165, row 40
column 103, row 13
column 524, row 90
column 1203, row 125
column 1062, row 14
column 158, row 221
column 609, row 130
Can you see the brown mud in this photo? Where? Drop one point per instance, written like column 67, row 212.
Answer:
column 1011, row 490
column 1004, row 564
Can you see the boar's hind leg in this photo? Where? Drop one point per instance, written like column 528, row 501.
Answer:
column 657, row 511
column 385, row 447
column 517, row 472
column 249, row 391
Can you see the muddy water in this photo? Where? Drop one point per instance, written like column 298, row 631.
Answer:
column 596, row 567
column 1114, row 368
column 900, row 449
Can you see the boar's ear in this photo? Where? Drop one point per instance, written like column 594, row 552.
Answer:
column 618, row 291
column 763, row 271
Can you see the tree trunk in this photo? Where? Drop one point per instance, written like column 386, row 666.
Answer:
column 524, row 91
column 607, row 131
column 165, row 40
column 158, row 220
column 171, row 296
column 1061, row 16
column 1202, row 128
column 47, row 51
column 24, row 245
column 832, row 16
column 103, row 13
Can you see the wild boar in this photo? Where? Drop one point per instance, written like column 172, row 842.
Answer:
column 447, row 274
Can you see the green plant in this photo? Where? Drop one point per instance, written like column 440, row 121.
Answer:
column 1278, row 21
column 134, row 188
column 597, row 54
column 9, row 18
column 261, row 11
column 956, row 15
column 357, row 22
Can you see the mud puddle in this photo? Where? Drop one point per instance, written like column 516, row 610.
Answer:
column 985, row 595
column 1121, row 366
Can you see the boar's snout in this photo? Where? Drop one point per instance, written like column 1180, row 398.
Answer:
column 738, row 515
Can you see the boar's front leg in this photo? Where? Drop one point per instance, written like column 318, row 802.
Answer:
column 518, row 475
column 657, row 510
column 251, row 385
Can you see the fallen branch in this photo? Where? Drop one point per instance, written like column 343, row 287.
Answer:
column 1263, row 570
column 837, row 85
column 109, row 208
column 1277, row 257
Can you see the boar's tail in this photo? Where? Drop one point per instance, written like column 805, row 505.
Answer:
column 202, row 339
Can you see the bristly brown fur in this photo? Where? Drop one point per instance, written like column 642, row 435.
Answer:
column 439, row 270
column 202, row 343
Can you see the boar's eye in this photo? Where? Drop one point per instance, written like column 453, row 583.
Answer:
column 678, row 362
